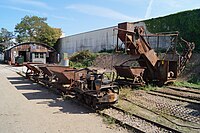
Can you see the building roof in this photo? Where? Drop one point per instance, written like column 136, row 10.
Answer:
column 37, row 43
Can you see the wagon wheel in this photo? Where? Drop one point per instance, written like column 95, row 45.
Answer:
column 94, row 103
column 160, row 83
column 80, row 97
column 87, row 99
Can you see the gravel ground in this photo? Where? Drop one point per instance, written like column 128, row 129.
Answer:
column 180, row 93
column 26, row 107
column 175, row 108
column 134, row 121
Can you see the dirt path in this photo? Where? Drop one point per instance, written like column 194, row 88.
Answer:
column 26, row 107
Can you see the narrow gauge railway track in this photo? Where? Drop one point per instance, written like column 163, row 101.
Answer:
column 177, row 111
column 149, row 126
column 135, row 122
column 184, row 89
column 174, row 97
column 195, row 88
column 187, row 95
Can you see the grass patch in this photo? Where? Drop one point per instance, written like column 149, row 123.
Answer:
column 109, row 120
column 187, row 84
column 194, row 82
column 125, row 93
column 148, row 87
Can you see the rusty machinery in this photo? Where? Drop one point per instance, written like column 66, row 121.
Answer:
column 150, row 67
column 90, row 87
column 86, row 84
column 96, row 89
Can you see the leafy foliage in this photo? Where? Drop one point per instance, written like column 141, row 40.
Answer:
column 48, row 35
column 187, row 23
column 5, row 35
column 82, row 59
column 195, row 79
column 36, row 29
column 28, row 28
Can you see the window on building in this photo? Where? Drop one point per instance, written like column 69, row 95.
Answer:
column 41, row 55
column 36, row 55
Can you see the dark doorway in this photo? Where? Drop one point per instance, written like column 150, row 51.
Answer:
column 23, row 53
column 50, row 57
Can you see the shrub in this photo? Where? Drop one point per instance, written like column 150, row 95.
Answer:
column 82, row 59
column 194, row 79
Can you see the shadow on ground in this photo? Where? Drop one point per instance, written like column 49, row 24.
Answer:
column 34, row 91
column 196, row 108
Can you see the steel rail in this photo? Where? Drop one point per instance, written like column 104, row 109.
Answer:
column 147, row 120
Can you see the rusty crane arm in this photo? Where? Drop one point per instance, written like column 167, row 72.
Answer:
column 154, row 69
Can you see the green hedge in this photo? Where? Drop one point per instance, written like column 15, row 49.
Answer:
column 187, row 23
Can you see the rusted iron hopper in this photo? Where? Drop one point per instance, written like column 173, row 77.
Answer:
column 47, row 69
column 66, row 76
column 33, row 72
column 48, row 76
column 133, row 75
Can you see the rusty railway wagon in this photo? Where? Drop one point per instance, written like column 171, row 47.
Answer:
column 87, row 85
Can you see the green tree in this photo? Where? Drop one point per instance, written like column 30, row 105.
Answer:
column 5, row 35
column 5, row 38
column 34, row 28
column 49, row 35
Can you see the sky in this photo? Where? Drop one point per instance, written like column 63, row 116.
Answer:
column 77, row 16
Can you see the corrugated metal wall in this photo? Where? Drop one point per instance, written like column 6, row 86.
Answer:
column 97, row 40
column 94, row 41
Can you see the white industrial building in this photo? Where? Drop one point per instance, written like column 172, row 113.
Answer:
column 97, row 40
